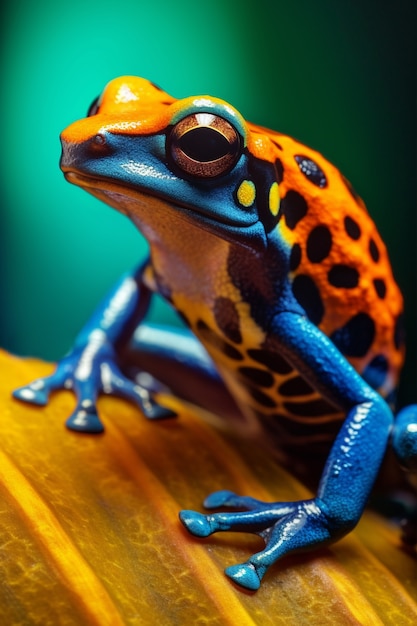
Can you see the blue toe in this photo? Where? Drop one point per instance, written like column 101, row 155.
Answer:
column 244, row 575
column 84, row 421
column 34, row 396
column 217, row 499
column 195, row 523
column 157, row 412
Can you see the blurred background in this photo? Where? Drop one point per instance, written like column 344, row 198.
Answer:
column 339, row 76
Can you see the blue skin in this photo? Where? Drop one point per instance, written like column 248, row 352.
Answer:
column 92, row 368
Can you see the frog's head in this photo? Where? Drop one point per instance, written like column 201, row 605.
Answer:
column 139, row 148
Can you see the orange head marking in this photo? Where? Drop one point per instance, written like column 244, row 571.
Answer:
column 128, row 104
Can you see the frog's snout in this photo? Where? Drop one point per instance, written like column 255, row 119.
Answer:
column 75, row 155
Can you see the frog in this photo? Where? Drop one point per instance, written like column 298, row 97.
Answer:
column 292, row 318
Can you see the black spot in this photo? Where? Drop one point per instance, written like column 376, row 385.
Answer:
column 257, row 376
column 311, row 408
column 352, row 228
column 312, row 171
column 373, row 250
column 376, row 371
column 295, row 256
column 209, row 335
column 343, row 276
column 278, row 145
column 295, row 387
column 356, row 336
column 399, row 332
column 272, row 360
column 280, row 170
column 307, row 294
column 294, row 207
column 262, row 398
column 319, row 243
column 227, row 318
column 380, row 287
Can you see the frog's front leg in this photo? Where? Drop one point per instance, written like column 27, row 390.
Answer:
column 348, row 476
column 92, row 368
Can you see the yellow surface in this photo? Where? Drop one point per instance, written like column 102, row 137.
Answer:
column 89, row 530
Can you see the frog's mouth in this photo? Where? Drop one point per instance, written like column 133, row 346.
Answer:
column 135, row 202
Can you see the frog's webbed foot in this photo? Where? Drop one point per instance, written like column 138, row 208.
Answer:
column 88, row 378
column 285, row 528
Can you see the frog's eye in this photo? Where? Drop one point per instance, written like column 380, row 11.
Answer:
column 94, row 106
column 204, row 145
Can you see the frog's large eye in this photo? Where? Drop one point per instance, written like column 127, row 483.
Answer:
column 204, row 145
column 94, row 106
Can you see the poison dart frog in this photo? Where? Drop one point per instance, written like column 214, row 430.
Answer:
column 285, row 287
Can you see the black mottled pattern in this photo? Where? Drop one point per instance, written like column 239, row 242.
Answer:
column 227, row 318
column 312, row 171
column 352, row 228
column 262, row 398
column 373, row 250
column 256, row 277
column 356, row 336
column 260, row 377
column 296, row 386
column 271, row 360
column 294, row 207
column 343, row 276
column 319, row 244
column 215, row 340
column 376, row 371
column 380, row 287
column 311, row 408
column 308, row 296
column 295, row 257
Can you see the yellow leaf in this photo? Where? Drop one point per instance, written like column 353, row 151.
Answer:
column 89, row 529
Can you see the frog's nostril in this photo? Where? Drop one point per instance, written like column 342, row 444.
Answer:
column 99, row 139
column 97, row 144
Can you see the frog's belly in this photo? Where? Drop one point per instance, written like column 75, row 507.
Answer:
column 191, row 269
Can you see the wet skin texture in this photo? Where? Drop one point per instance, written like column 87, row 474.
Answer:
column 273, row 263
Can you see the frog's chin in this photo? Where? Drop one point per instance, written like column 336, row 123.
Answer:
column 136, row 205
column 133, row 203
column 95, row 187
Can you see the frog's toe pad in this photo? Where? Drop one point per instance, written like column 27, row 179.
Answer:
column 154, row 411
column 218, row 499
column 32, row 394
column 85, row 421
column 195, row 523
column 244, row 575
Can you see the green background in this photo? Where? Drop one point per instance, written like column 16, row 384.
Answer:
column 337, row 75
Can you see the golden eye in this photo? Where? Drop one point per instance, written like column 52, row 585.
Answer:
column 204, row 145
